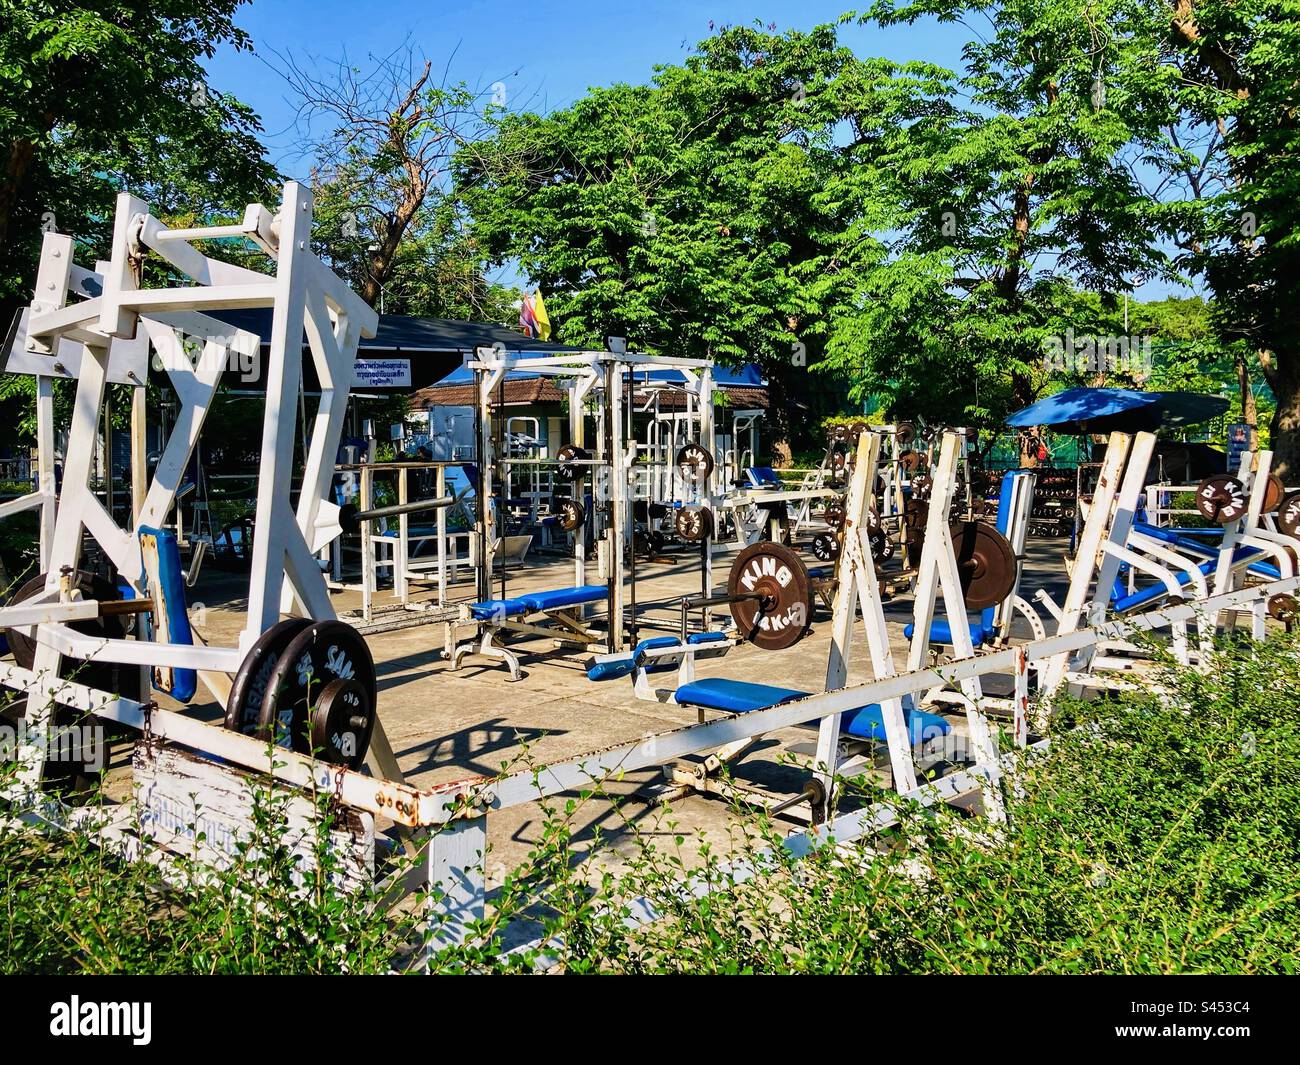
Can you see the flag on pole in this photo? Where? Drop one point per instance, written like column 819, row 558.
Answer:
column 527, row 319
column 541, row 317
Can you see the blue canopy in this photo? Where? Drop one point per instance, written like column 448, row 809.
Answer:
column 1104, row 410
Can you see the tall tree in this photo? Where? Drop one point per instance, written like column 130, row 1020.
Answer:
column 382, row 174
column 689, row 215
column 97, row 97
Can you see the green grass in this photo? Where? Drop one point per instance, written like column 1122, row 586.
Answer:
column 1158, row 835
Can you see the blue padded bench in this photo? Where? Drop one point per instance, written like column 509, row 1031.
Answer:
column 1178, row 538
column 511, row 613
column 940, row 632
column 162, row 566
column 742, row 697
column 763, row 477
column 610, row 667
column 982, row 630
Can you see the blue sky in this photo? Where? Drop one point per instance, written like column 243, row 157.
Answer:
column 546, row 53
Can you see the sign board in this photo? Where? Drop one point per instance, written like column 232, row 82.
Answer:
column 202, row 810
column 1241, row 439
column 383, row 373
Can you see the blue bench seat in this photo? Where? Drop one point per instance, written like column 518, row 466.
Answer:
column 538, row 602
column 940, row 632
column 742, row 697
column 624, row 665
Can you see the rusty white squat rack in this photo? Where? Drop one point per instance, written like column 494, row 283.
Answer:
column 98, row 326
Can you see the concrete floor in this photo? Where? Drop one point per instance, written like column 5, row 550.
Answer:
column 445, row 725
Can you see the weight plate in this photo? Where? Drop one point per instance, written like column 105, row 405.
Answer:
column 1221, row 499
column 1273, row 493
column 61, row 771
column 856, row 430
column 572, row 515
column 825, row 547
column 248, row 692
column 873, row 520
column 694, row 524
column 341, row 723
column 567, row 459
column 921, row 486
column 695, row 463
column 834, row 514
column 780, row 619
column 985, row 561
column 1288, row 514
column 882, row 547
column 113, row 677
column 905, row 432
column 1283, row 607
column 839, row 458
column 910, row 461
column 325, row 651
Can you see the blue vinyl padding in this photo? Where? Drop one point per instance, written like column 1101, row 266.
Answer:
column 536, row 602
column 868, row 723
column 498, row 608
column 741, row 697
column 941, row 633
column 1155, row 591
column 734, row 696
column 559, row 597
column 185, row 682
column 763, row 477
column 1195, row 547
column 626, row 664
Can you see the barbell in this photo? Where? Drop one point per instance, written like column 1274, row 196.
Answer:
column 351, row 518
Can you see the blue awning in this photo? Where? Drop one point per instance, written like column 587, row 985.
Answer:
column 1104, row 410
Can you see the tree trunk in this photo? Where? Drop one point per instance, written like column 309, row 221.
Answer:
column 1285, row 427
column 1249, row 411
column 778, row 419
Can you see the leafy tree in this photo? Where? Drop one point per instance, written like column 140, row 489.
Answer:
column 690, row 215
column 96, row 98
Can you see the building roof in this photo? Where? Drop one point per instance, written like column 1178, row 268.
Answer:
column 434, row 347
column 531, row 389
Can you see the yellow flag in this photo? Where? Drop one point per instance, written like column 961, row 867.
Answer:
column 543, row 320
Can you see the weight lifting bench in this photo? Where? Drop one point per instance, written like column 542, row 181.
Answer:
column 549, row 614
column 723, row 695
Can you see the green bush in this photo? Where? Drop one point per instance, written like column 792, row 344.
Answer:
column 1159, row 834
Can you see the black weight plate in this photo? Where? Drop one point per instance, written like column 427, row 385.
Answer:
column 103, row 676
column 1273, row 493
column 694, row 524
column 1288, row 514
column 572, row 515
column 1221, row 499
column 834, row 514
column 342, row 723
column 775, row 572
column 825, row 547
column 61, row 771
column 566, row 462
column 324, row 651
column 695, row 463
column 248, row 692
